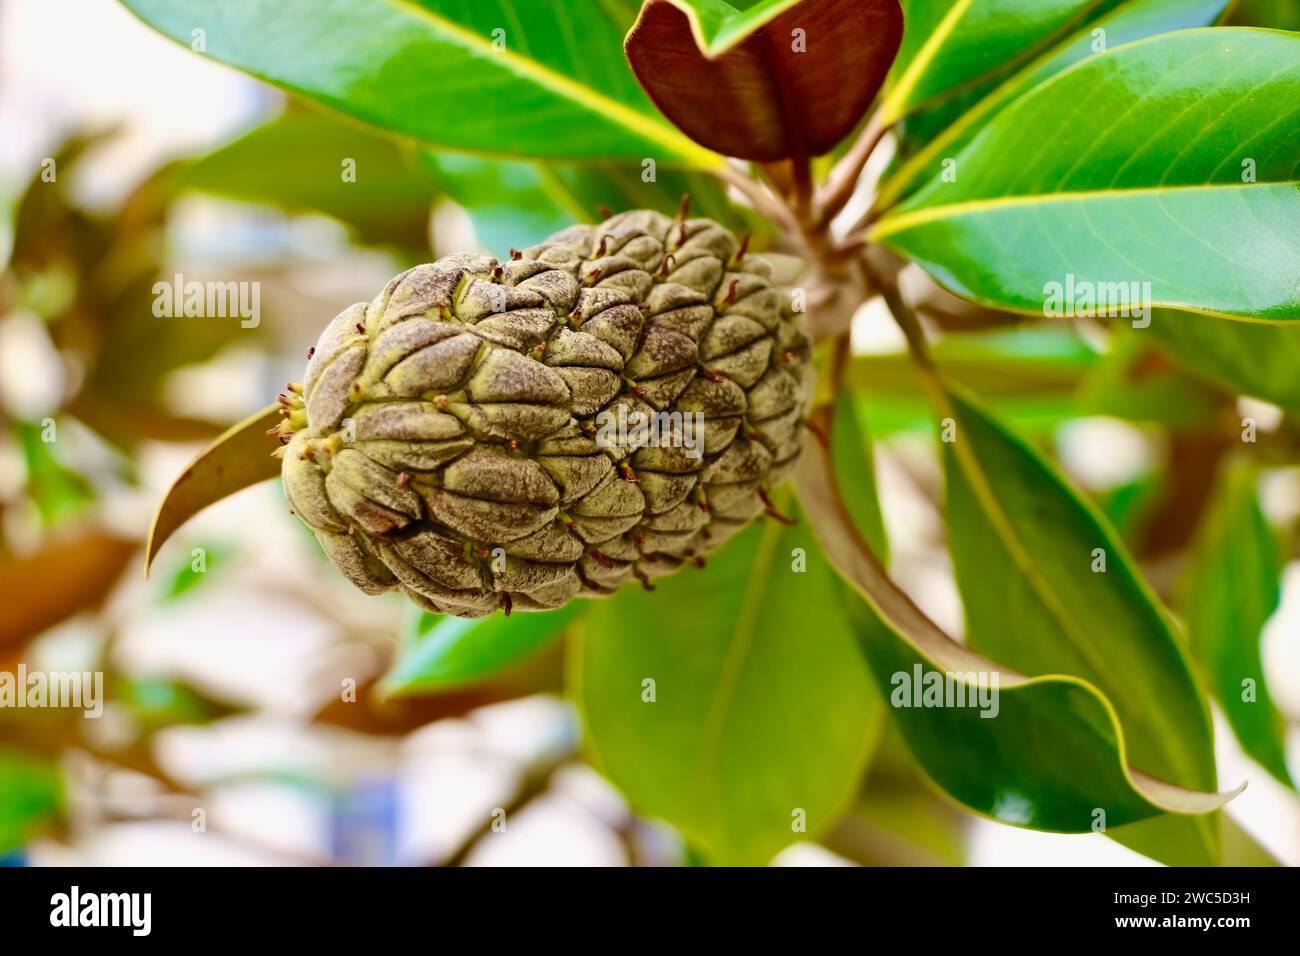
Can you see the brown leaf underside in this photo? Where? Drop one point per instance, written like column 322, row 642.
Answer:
column 237, row 459
column 762, row 100
column 67, row 575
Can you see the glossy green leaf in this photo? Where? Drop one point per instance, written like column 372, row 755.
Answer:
column 515, row 203
column 296, row 162
column 1127, row 169
column 31, row 794
column 1021, row 538
column 1053, row 755
column 540, row 78
column 1232, row 587
column 441, row 653
column 1245, row 357
column 1128, row 22
column 1049, row 589
column 947, row 43
column 761, row 705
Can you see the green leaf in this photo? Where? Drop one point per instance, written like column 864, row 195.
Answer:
column 1020, row 362
column 1131, row 21
column 238, row 458
column 1103, row 176
column 1244, row 357
column 948, row 43
column 900, row 819
column 1232, row 587
column 1053, row 755
column 793, row 81
column 59, row 493
column 516, row 203
column 295, row 162
column 442, row 653
column 1022, row 538
column 1031, row 376
column 761, row 708
column 31, row 794
column 1049, row 589
column 1278, row 14
column 493, row 76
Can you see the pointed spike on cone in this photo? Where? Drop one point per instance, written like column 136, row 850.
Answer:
column 603, row 211
column 730, row 297
column 743, row 249
column 684, row 208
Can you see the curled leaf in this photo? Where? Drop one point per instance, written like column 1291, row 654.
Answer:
column 1055, row 752
column 238, row 458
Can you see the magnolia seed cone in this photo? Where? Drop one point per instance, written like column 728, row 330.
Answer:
column 449, row 437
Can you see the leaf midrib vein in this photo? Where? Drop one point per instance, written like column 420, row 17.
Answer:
column 592, row 100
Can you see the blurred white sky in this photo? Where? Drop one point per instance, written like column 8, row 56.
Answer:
column 71, row 63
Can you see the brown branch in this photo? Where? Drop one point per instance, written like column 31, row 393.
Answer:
column 843, row 180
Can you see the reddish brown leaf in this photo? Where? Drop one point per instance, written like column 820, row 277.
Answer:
column 67, row 575
column 762, row 99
